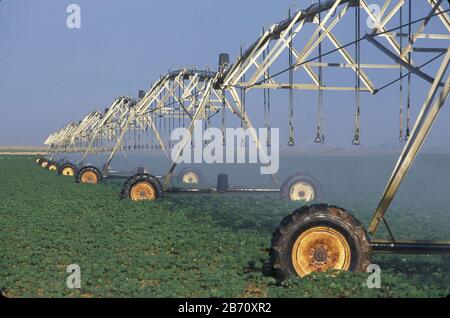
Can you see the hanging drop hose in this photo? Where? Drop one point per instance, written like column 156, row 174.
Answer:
column 401, row 77
column 147, row 137
column 152, row 141
column 269, row 128
column 173, row 122
column 267, row 99
column 129, row 139
column 320, row 138
column 170, row 122
column 160, row 124
column 243, row 95
column 184, row 113
column 134, row 137
column 265, row 91
column 224, row 105
column 164, row 119
column 179, row 106
column 408, row 111
column 357, row 137
column 139, row 139
column 207, row 113
column 291, row 91
column 195, row 108
column 265, row 94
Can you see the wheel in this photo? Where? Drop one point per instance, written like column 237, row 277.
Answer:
column 301, row 187
column 52, row 166
column 190, row 176
column 67, row 170
column 90, row 175
column 319, row 238
column 38, row 160
column 44, row 163
column 142, row 187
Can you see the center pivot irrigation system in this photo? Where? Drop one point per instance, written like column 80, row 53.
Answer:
column 398, row 50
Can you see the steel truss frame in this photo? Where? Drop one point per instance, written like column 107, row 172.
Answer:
column 185, row 93
column 75, row 139
column 57, row 140
column 106, row 130
column 70, row 139
column 81, row 137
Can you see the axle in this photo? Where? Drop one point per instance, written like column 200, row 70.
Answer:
column 411, row 247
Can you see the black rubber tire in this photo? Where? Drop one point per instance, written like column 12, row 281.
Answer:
column 39, row 160
column 67, row 165
column 308, row 217
column 190, row 169
column 42, row 162
column 89, row 168
column 126, row 190
column 285, row 189
column 53, row 163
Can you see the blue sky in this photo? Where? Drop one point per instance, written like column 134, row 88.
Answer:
column 50, row 75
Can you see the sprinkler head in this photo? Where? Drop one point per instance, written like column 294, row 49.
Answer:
column 291, row 142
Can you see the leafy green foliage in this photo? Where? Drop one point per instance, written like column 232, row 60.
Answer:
column 192, row 245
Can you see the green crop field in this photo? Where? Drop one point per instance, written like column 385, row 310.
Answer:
column 202, row 245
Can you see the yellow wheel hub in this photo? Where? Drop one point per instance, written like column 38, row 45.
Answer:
column 302, row 191
column 143, row 191
column 190, row 177
column 44, row 164
column 320, row 249
column 68, row 172
column 52, row 168
column 89, row 177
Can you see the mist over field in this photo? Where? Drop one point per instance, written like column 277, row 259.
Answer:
column 352, row 178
